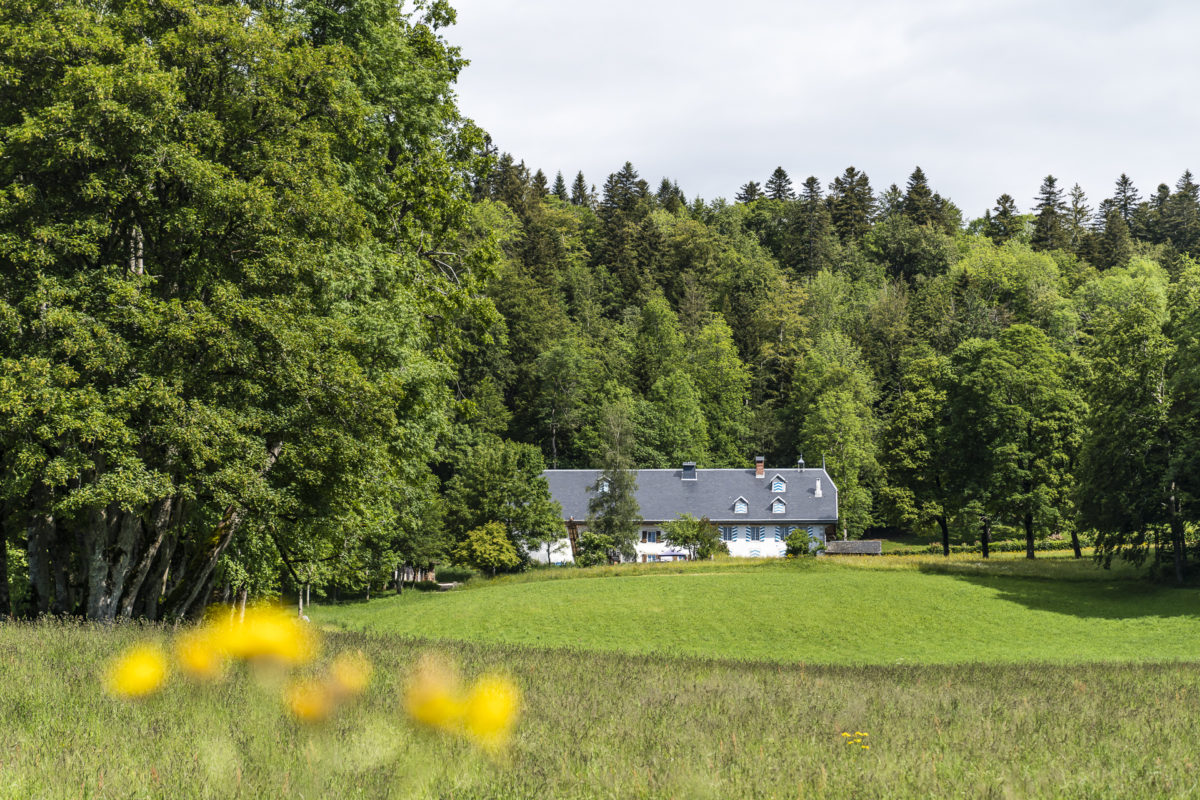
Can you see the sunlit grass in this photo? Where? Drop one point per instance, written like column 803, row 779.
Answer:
column 836, row 610
column 600, row 725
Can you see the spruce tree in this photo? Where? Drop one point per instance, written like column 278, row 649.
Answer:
column 749, row 192
column 812, row 242
column 1050, row 227
column 670, row 196
column 779, row 185
column 560, row 188
column 919, row 204
column 1126, row 197
column 1079, row 216
column 580, row 196
column 1115, row 246
column 851, row 204
column 540, row 187
column 1183, row 215
column 1005, row 223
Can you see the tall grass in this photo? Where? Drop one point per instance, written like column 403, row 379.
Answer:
column 605, row 726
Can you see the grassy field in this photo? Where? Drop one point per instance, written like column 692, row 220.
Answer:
column 828, row 611
column 605, row 726
column 720, row 680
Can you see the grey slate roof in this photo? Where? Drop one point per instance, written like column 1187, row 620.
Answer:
column 662, row 495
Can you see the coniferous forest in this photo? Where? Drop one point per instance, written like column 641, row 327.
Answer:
column 275, row 314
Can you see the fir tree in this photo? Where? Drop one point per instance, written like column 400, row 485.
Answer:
column 1126, row 197
column 540, row 186
column 1115, row 246
column 851, row 204
column 580, row 196
column 1183, row 214
column 749, row 192
column 560, row 188
column 1079, row 217
column 1050, row 228
column 919, row 204
column 779, row 185
column 670, row 196
column 1005, row 223
column 813, row 242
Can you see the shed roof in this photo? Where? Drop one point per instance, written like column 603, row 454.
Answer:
column 663, row 495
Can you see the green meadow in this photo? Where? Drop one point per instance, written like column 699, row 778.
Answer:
column 721, row 680
column 913, row 610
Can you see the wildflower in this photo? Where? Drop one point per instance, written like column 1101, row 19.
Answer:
column 432, row 697
column 866, row 747
column 491, row 712
column 845, row 734
column 199, row 656
column 268, row 633
column 309, row 700
column 141, row 670
column 349, row 674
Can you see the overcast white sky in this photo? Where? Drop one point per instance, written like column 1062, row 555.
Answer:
column 988, row 96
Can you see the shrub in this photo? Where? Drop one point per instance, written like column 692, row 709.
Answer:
column 453, row 574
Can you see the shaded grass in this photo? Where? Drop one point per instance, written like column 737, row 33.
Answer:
column 879, row 610
column 607, row 726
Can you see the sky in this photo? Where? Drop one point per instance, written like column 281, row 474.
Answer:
column 986, row 96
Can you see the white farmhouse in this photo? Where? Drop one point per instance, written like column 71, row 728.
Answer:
column 755, row 509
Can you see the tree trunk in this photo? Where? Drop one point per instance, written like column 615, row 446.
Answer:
column 1178, row 542
column 307, row 596
column 986, row 537
column 300, row 601
column 1028, row 521
column 159, row 524
column 242, row 604
column 223, row 535
column 1075, row 543
column 41, row 532
column 941, row 521
column 5, row 596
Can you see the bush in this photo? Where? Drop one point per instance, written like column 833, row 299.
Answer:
column 452, row 574
column 425, row 586
column 1011, row 546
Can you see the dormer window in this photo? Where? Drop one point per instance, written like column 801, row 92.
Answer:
column 602, row 488
column 740, row 506
column 778, row 484
column 778, row 506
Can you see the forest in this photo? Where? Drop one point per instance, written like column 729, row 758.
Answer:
column 274, row 315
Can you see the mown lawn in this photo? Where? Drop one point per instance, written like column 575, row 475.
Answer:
column 604, row 725
column 829, row 611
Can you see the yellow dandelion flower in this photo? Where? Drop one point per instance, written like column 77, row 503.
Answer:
column 845, row 734
column 491, row 711
column 139, row 671
column 309, row 700
column 350, row 673
column 433, row 697
column 198, row 655
column 866, row 747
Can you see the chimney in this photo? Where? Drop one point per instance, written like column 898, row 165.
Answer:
column 818, row 492
column 689, row 471
column 800, row 462
column 759, row 465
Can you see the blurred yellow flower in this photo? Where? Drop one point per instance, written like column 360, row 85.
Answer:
column 267, row 632
column 139, row 671
column 845, row 734
column 432, row 696
column 309, row 700
column 198, row 655
column 350, row 674
column 866, row 747
column 492, row 709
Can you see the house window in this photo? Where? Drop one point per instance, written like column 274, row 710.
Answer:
column 778, row 507
column 756, row 533
column 603, row 487
column 652, row 558
column 781, row 533
column 740, row 507
column 777, row 485
column 650, row 536
column 728, row 533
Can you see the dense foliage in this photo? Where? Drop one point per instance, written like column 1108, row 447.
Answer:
column 1027, row 374
column 274, row 315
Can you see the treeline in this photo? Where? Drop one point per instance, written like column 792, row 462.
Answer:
column 1030, row 373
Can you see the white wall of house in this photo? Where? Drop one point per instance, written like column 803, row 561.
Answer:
column 770, row 544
